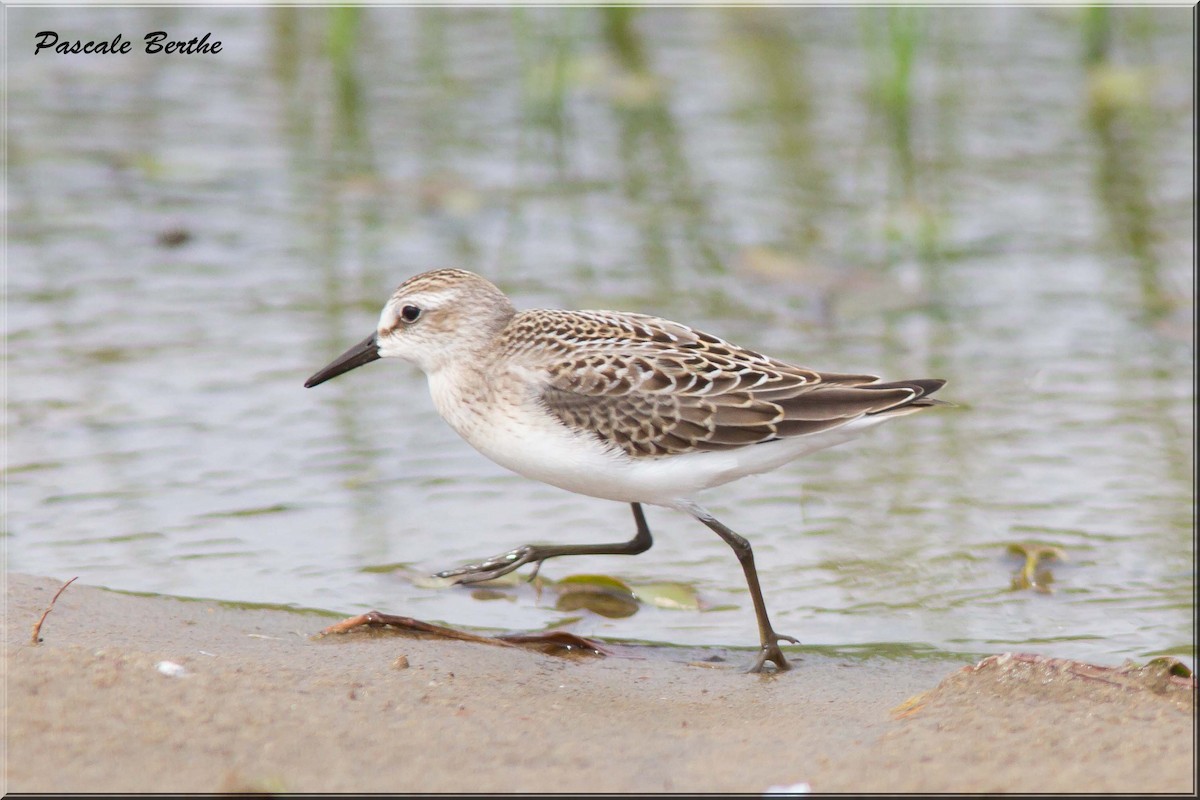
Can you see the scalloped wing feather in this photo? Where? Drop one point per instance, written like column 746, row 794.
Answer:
column 651, row 387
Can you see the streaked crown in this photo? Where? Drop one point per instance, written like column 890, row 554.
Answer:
column 437, row 317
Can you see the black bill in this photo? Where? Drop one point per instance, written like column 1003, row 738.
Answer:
column 364, row 352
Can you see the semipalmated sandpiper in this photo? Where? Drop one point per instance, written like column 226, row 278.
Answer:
column 615, row 405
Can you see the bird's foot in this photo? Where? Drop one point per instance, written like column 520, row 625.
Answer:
column 770, row 651
column 492, row 567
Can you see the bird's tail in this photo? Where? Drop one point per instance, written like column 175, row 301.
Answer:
column 923, row 388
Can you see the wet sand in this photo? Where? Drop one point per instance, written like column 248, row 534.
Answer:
column 263, row 706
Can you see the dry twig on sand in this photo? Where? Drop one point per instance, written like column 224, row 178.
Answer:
column 552, row 642
column 37, row 626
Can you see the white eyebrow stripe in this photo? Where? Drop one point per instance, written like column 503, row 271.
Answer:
column 422, row 300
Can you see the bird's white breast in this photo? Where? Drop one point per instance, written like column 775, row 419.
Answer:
column 502, row 419
column 516, row 432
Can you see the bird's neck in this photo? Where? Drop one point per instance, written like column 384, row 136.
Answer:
column 461, row 393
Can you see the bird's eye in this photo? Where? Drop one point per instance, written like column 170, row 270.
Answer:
column 410, row 313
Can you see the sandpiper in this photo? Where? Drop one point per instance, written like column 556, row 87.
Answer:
column 617, row 405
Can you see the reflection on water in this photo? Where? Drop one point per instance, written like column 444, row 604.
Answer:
column 999, row 197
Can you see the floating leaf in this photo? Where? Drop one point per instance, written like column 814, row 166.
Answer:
column 595, row 580
column 491, row 594
column 423, row 581
column 1030, row 577
column 606, row 604
column 396, row 566
column 432, row 582
column 600, row 594
column 1170, row 665
column 679, row 596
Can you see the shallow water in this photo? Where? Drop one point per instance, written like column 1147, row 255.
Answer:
column 999, row 197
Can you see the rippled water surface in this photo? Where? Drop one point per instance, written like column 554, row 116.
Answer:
column 999, row 197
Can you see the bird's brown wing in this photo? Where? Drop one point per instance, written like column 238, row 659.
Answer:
column 655, row 397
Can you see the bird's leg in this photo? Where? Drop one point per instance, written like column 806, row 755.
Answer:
column 505, row 563
column 769, row 650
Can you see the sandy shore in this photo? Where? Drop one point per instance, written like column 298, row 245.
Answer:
column 263, row 706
